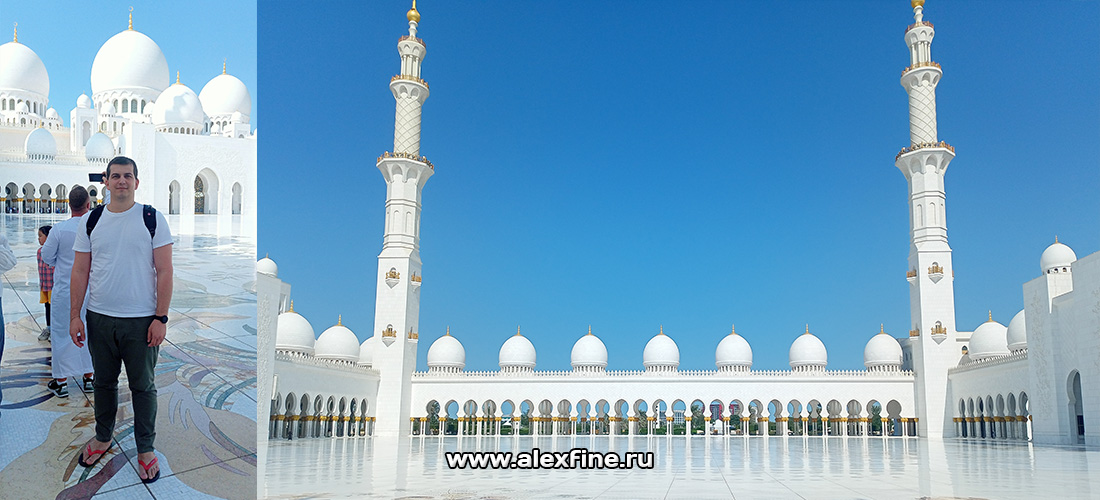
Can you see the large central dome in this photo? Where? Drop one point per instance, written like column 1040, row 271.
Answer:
column 129, row 61
column 21, row 69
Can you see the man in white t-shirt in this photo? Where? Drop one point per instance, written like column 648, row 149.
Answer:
column 124, row 259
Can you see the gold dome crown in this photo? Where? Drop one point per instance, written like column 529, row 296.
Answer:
column 414, row 16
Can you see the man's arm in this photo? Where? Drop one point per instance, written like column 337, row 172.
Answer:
column 78, row 285
column 49, row 249
column 162, row 262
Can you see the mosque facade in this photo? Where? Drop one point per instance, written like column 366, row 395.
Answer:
column 1035, row 379
column 196, row 152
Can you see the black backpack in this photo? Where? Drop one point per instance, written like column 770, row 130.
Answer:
column 148, row 214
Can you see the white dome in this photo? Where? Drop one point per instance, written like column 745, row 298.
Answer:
column 84, row 101
column 129, row 61
column 225, row 95
column 22, row 70
column 517, row 351
column 446, row 352
column 108, row 109
column 808, row 350
column 661, row 350
column 267, row 266
column 99, row 147
column 337, row 343
column 882, row 350
column 52, row 114
column 588, row 351
column 733, row 350
column 178, row 104
column 1017, row 332
column 1056, row 255
column 366, row 352
column 989, row 341
column 294, row 333
column 22, row 108
column 40, row 142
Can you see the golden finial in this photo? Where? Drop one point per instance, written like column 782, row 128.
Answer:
column 15, row 38
column 807, row 329
column 413, row 15
column 990, row 316
column 448, row 331
column 517, row 332
column 590, row 329
column 340, row 320
column 662, row 332
column 223, row 64
column 291, row 307
column 881, row 329
column 131, row 28
column 177, row 77
column 733, row 329
column 917, row 3
column 1056, row 238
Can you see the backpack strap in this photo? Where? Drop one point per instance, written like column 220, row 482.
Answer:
column 149, row 214
column 93, row 218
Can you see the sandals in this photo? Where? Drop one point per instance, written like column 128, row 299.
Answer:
column 88, row 452
column 147, row 467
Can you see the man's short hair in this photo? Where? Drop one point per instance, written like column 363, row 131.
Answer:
column 121, row 160
column 78, row 198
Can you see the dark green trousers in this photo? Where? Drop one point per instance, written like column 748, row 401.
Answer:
column 113, row 342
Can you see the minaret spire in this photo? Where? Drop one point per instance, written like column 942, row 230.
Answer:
column 131, row 26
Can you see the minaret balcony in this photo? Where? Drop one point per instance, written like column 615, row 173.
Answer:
column 929, row 64
column 935, row 273
column 421, row 42
column 419, row 80
column 408, row 156
column 919, row 24
column 911, row 276
column 923, row 145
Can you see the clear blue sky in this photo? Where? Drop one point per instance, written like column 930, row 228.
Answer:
column 195, row 37
column 628, row 165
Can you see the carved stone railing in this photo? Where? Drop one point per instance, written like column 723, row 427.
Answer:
column 988, row 362
column 923, row 145
column 410, row 156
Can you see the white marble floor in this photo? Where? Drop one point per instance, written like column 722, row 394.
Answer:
column 695, row 468
column 206, row 381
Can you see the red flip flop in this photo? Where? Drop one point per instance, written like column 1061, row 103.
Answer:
column 88, row 452
column 147, row 467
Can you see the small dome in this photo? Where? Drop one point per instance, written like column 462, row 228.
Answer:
column 84, row 101
column 447, row 352
column 129, row 61
column 366, row 352
column 52, row 114
column 22, row 70
column 588, row 351
column 267, row 266
column 661, row 350
column 882, row 350
column 733, row 350
column 178, row 104
column 108, row 109
column 40, row 142
column 99, row 147
column 338, row 343
column 989, row 341
column 808, row 350
column 226, row 95
column 1017, row 332
column 22, row 108
column 517, row 351
column 294, row 333
column 1056, row 256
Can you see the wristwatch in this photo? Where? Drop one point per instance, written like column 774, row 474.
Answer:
column 162, row 319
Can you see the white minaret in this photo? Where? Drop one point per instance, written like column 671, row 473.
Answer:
column 930, row 273
column 397, row 305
